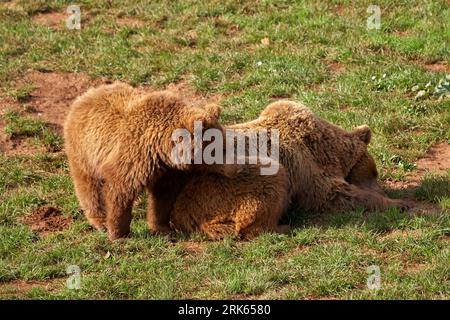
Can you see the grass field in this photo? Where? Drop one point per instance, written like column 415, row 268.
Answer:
column 243, row 54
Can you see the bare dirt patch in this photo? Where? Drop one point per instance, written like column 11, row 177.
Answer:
column 51, row 96
column 54, row 92
column 54, row 20
column 228, row 28
column 436, row 160
column 46, row 220
column 335, row 67
column 17, row 146
column 438, row 67
column 20, row 288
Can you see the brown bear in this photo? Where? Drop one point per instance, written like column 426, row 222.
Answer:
column 244, row 206
column 328, row 169
column 119, row 142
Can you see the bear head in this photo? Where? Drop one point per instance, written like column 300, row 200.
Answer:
column 364, row 173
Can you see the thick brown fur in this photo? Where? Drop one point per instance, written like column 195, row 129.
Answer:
column 243, row 206
column 328, row 169
column 118, row 143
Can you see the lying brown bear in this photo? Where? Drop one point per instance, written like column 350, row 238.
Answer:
column 119, row 142
column 324, row 168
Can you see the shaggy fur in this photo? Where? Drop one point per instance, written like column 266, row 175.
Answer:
column 245, row 206
column 118, row 142
column 328, row 169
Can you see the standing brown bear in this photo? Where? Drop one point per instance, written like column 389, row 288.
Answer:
column 328, row 169
column 119, row 142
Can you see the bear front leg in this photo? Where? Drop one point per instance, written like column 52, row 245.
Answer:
column 118, row 213
column 348, row 197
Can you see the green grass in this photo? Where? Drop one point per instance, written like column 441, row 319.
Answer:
column 18, row 126
column 21, row 94
column 216, row 48
column 434, row 187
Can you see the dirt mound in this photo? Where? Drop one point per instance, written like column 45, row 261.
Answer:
column 46, row 220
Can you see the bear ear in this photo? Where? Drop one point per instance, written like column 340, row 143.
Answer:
column 364, row 133
column 208, row 116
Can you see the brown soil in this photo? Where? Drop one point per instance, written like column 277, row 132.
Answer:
column 335, row 67
column 46, row 220
column 438, row 67
column 54, row 92
column 49, row 101
column 54, row 20
column 19, row 288
column 17, row 146
column 436, row 160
